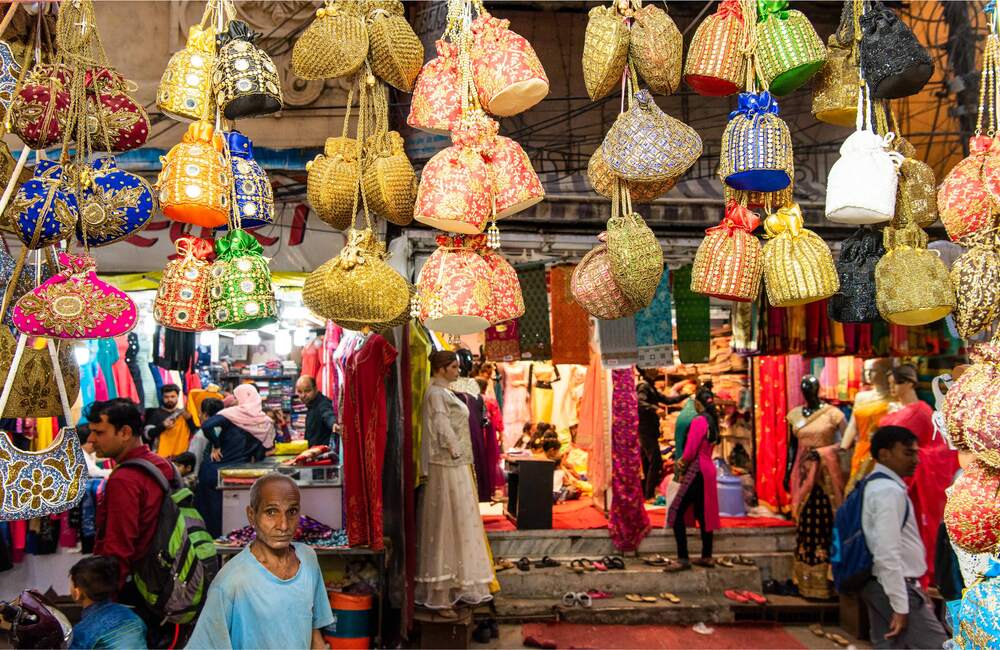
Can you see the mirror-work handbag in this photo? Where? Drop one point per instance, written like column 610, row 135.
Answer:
column 789, row 51
column 240, row 294
column 114, row 205
column 245, row 80
column 182, row 301
column 912, row 286
column 854, row 302
column 893, row 61
column 798, row 265
column 605, row 51
column 185, row 91
column 716, row 64
column 756, row 146
column 195, row 180
column 253, row 198
column 729, row 263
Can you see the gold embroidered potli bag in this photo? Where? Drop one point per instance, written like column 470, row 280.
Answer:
column 798, row 265
column 605, row 50
column 396, row 53
column 656, row 48
column 912, row 286
column 976, row 279
column 334, row 45
column 635, row 254
column 333, row 176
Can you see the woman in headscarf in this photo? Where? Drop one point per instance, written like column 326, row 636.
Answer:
column 698, row 490
column 237, row 434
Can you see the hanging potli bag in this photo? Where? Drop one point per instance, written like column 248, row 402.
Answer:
column 387, row 178
column 245, row 80
column 454, row 288
column 44, row 210
column 75, row 304
column 332, row 178
column 594, row 287
column 756, row 146
column 506, row 301
column 40, row 110
column 647, row 145
column 396, row 53
column 114, row 204
column 635, row 253
column 603, row 180
column 195, row 180
column 972, row 512
column 757, row 200
column 861, row 186
column 854, row 302
column 656, row 48
column 358, row 288
column 916, row 194
column 729, row 263
column 182, row 301
column 717, row 57
column 789, row 51
column 436, row 105
column 912, row 286
column 185, row 91
column 971, row 406
column 893, row 61
column 835, row 89
column 508, row 76
column 605, row 50
column 798, row 265
column 334, row 45
column 253, row 198
column 120, row 123
column 976, row 279
column 516, row 186
column 240, row 291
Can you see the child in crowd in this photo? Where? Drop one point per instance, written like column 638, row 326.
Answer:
column 104, row 624
column 186, row 464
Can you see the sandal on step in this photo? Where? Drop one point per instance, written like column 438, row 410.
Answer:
column 754, row 597
column 635, row 598
column 597, row 594
column 817, row 629
column 524, row 564
column 576, row 566
column 726, row 562
column 502, row 565
column 613, row 562
column 673, row 567
column 649, row 599
column 735, row 596
column 657, row 560
column 836, row 638
column 600, row 566
column 546, row 562
column 588, row 565
column 666, row 595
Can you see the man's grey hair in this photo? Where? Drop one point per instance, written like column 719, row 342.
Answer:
column 259, row 484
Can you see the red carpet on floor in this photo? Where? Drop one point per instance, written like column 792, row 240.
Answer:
column 582, row 515
column 575, row 635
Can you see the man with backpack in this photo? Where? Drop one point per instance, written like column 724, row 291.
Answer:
column 886, row 561
column 146, row 521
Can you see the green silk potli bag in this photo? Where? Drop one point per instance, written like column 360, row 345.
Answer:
column 789, row 51
column 240, row 294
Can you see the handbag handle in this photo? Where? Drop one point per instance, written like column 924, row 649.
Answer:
column 15, row 366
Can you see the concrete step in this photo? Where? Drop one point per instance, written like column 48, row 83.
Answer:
column 616, row 611
column 637, row 577
column 597, row 543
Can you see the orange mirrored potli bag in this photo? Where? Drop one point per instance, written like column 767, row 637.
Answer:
column 716, row 59
column 729, row 263
column 182, row 300
column 194, row 184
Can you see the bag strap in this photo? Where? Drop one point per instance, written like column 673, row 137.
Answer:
column 15, row 366
column 880, row 475
column 153, row 471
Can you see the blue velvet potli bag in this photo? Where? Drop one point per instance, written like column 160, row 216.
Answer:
column 756, row 146
column 114, row 204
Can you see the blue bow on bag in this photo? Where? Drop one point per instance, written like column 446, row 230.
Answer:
column 754, row 106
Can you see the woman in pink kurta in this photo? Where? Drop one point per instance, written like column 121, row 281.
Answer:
column 698, row 489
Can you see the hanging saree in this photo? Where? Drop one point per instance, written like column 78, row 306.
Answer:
column 533, row 326
column 796, row 367
column 934, row 473
column 654, row 330
column 693, row 320
column 570, row 331
column 772, row 433
column 795, row 329
column 503, row 342
column 817, row 491
column 591, row 411
column 629, row 521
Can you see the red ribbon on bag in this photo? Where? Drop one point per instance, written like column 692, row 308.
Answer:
column 738, row 217
column 730, row 8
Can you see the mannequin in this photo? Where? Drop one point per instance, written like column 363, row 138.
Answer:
column 817, row 486
column 937, row 465
column 541, row 376
column 869, row 407
column 467, row 389
column 454, row 564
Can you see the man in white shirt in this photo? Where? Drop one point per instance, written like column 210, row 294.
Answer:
column 900, row 612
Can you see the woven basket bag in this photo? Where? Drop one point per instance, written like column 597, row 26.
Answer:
column 388, row 181
column 396, row 54
column 798, row 265
column 912, row 286
column 756, row 146
column 789, row 51
column 646, row 144
column 332, row 181
column 594, row 287
column 334, row 45
column 636, row 257
column 605, row 51
column 976, row 279
column 729, row 263
column 656, row 49
column 716, row 64
column 603, row 180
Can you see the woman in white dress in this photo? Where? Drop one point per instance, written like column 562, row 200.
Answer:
column 454, row 565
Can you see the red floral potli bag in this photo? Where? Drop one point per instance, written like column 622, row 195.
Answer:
column 182, row 301
column 729, row 263
column 436, row 105
column 507, row 73
column 454, row 286
column 120, row 123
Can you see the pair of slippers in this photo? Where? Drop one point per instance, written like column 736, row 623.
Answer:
column 666, row 595
column 580, row 598
column 743, row 596
column 524, row 564
column 831, row 636
column 581, row 565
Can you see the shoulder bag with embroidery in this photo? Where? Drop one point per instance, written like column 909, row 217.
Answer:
column 40, row 110
column 182, row 301
column 729, row 263
column 44, row 482
column 195, row 181
column 798, row 265
column 75, row 304
column 756, row 146
column 253, row 198
column 114, row 204
column 912, row 286
column 240, row 294
column 245, row 80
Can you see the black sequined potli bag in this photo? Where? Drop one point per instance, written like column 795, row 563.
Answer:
column 855, row 301
column 893, row 61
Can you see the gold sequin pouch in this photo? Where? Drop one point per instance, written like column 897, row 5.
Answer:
column 912, row 286
column 334, row 45
column 798, row 265
column 605, row 51
column 185, row 91
column 976, row 279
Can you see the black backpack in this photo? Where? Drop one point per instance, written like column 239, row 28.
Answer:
column 174, row 574
column 854, row 302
